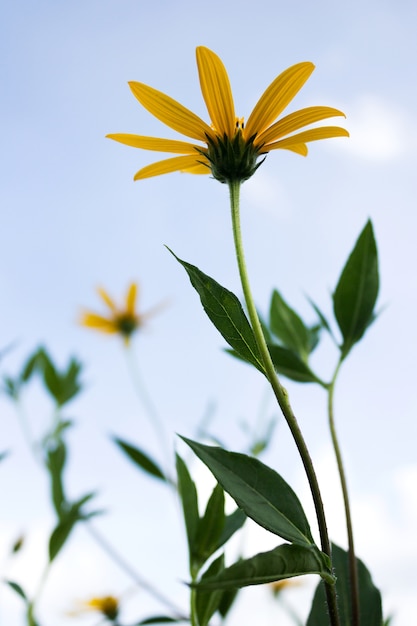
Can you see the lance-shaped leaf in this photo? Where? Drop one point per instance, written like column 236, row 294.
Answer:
column 225, row 311
column 288, row 326
column 357, row 290
column 370, row 607
column 139, row 458
column 189, row 499
column 207, row 601
column 290, row 365
column 285, row 561
column 264, row 496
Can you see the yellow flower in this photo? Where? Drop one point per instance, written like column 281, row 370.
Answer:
column 124, row 321
column 106, row 605
column 229, row 147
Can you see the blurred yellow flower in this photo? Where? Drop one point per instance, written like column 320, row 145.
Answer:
column 106, row 605
column 230, row 147
column 123, row 321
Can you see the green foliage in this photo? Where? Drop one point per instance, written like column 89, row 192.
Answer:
column 206, row 534
column 263, row 494
column 207, row 601
column 357, row 290
column 140, row 458
column 370, row 609
column 69, row 515
column 225, row 311
column 285, row 561
column 289, row 364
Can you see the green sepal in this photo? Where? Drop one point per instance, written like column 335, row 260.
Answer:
column 225, row 311
column 285, row 561
column 357, row 290
column 140, row 458
column 263, row 494
column 370, row 606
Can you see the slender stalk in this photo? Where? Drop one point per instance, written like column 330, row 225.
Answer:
column 353, row 569
column 133, row 574
column 281, row 394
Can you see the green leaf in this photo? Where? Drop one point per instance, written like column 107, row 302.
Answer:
column 370, row 612
column 232, row 523
column 56, row 458
column 189, row 499
column 62, row 386
column 207, row 602
column 290, row 365
column 59, row 536
column 140, row 458
column 357, row 290
column 225, row 311
column 285, row 561
column 18, row 589
column 210, row 526
column 264, row 496
column 288, row 326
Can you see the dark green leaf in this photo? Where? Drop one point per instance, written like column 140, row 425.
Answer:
column 59, row 536
column 207, row 601
column 288, row 326
column 357, row 290
column 189, row 499
column 369, row 597
column 140, row 458
column 18, row 589
column 232, row 523
column 225, row 311
column 259, row 491
column 62, row 386
column 285, row 561
column 323, row 320
column 227, row 600
column 290, row 365
column 210, row 527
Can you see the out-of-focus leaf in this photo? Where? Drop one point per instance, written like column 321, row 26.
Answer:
column 56, row 458
column 189, row 499
column 357, row 290
column 370, row 607
column 290, row 365
column 285, row 561
column 259, row 491
column 18, row 589
column 207, row 601
column 159, row 619
column 225, row 311
column 210, row 526
column 140, row 458
column 288, row 326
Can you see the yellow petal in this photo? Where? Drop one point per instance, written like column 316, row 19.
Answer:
column 198, row 169
column 153, row 143
column 295, row 121
column 277, row 96
column 131, row 299
column 170, row 112
column 92, row 320
column 217, row 94
column 109, row 301
column 326, row 132
column 177, row 164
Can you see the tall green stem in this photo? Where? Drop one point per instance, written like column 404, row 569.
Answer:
column 281, row 394
column 353, row 570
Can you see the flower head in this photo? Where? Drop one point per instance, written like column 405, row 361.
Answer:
column 229, row 148
column 106, row 605
column 123, row 321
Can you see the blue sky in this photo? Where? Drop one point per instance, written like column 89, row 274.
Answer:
column 72, row 218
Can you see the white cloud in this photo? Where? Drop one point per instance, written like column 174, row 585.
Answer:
column 377, row 131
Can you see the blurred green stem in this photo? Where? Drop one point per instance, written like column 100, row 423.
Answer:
column 281, row 393
column 353, row 570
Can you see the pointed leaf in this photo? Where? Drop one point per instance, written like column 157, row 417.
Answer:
column 207, row 601
column 59, row 536
column 232, row 523
column 357, row 290
column 225, row 311
column 370, row 608
column 189, row 499
column 290, row 365
column 285, row 561
column 18, row 589
column 140, row 458
column 159, row 619
column 288, row 326
column 259, row 491
column 210, row 526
